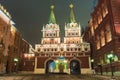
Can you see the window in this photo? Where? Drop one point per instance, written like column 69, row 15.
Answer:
column 38, row 49
column 68, row 33
column 95, row 22
column 104, row 9
column 55, row 49
column 79, row 49
column 46, row 34
column 71, row 49
column 99, row 16
column 97, row 42
column 76, row 33
column 114, row 58
column 67, row 49
column 50, row 34
column 75, row 49
column 68, row 42
column 72, row 25
column 61, row 49
column 102, row 38
column 44, row 49
column 55, row 42
column 101, row 60
column 72, row 33
column 51, row 49
column 54, row 34
column 108, row 34
column 45, row 42
column 73, row 42
column 86, row 49
column 77, row 41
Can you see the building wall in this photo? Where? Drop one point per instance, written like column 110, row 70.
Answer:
column 84, row 63
column 105, row 38
column 5, row 25
column 14, row 51
column 23, row 61
column 14, row 45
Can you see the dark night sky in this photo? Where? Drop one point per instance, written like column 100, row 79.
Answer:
column 31, row 15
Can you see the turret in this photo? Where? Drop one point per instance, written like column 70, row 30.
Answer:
column 52, row 16
column 72, row 17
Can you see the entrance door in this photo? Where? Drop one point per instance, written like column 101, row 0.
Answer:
column 50, row 66
column 61, row 68
column 74, row 67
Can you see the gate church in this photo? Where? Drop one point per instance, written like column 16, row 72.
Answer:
column 71, row 55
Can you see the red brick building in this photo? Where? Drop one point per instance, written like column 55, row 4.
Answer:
column 70, row 56
column 5, row 25
column 103, row 32
column 12, row 45
column 27, row 59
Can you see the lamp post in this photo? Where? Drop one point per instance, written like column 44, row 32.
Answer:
column 92, row 62
column 110, row 56
column 92, row 66
column 16, row 64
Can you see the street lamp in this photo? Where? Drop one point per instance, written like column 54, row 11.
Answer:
column 92, row 66
column 100, row 66
column 16, row 64
column 110, row 56
column 92, row 61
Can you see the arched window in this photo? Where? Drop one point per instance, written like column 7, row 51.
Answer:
column 104, row 9
column 98, row 42
column 108, row 34
column 102, row 36
column 95, row 22
column 99, row 16
column 38, row 49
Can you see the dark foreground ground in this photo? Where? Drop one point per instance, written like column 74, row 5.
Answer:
column 54, row 77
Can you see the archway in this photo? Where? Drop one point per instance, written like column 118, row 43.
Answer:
column 61, row 68
column 75, row 67
column 50, row 66
column 61, row 64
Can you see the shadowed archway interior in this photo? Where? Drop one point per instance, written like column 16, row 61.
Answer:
column 75, row 67
column 50, row 65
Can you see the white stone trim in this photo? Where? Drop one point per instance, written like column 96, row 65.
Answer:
column 86, row 71
column 39, row 71
column 89, row 63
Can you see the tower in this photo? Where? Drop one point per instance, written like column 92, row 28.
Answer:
column 49, row 49
column 76, row 50
column 72, row 30
column 54, row 56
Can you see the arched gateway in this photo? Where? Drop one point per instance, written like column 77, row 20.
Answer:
column 50, row 66
column 75, row 67
column 60, row 65
column 57, row 56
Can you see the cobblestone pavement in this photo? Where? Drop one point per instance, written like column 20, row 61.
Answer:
column 54, row 77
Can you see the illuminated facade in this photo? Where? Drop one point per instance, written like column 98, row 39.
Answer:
column 5, row 24
column 70, row 56
column 103, row 32
column 12, row 45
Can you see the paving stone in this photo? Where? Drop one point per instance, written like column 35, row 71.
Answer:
column 55, row 77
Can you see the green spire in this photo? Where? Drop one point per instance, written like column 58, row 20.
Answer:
column 72, row 17
column 52, row 16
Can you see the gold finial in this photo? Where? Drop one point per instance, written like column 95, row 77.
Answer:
column 52, row 7
column 71, row 5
